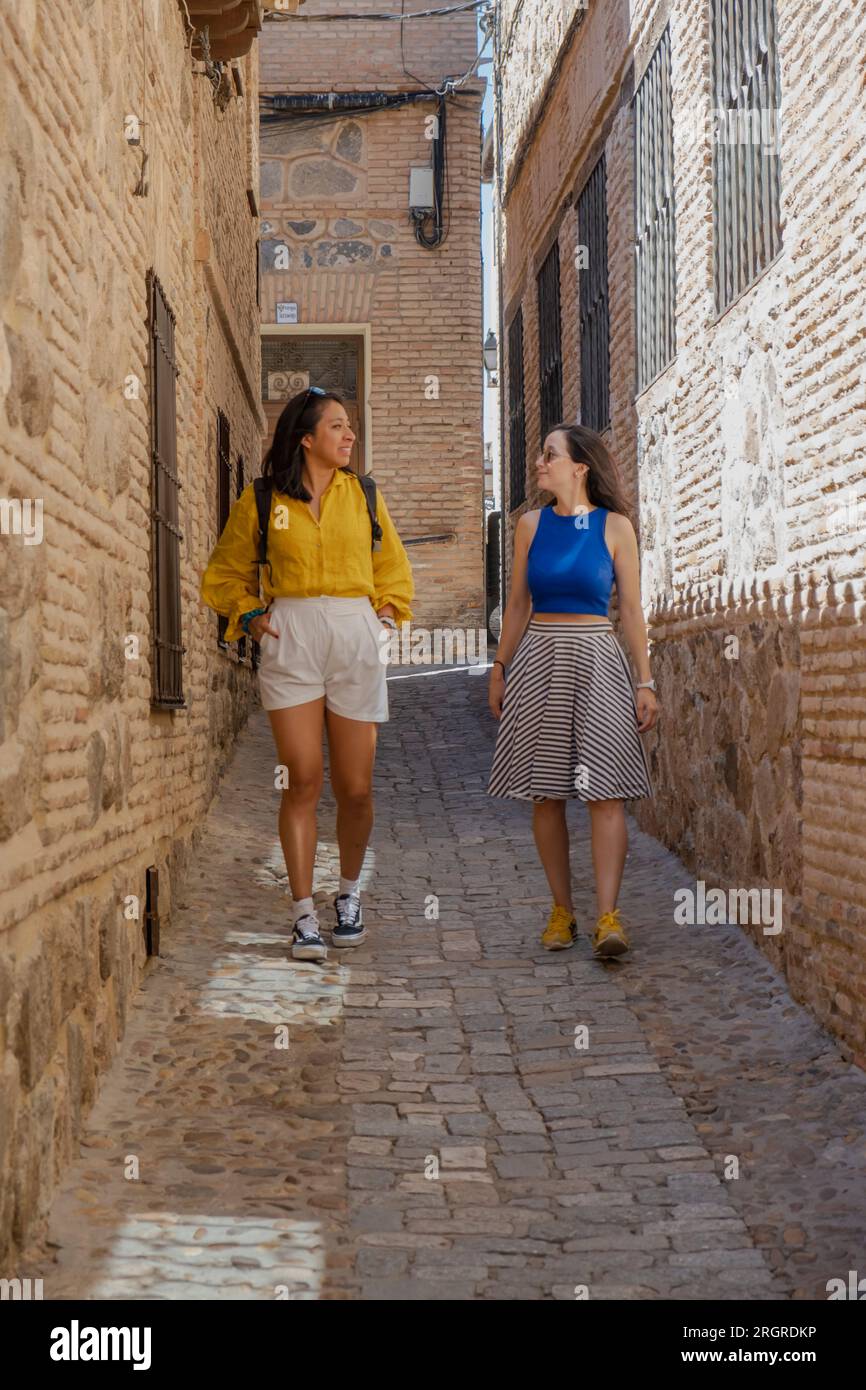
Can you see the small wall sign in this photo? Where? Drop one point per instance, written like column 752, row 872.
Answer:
column 287, row 313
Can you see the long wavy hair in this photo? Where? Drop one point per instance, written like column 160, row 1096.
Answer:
column 603, row 481
column 284, row 462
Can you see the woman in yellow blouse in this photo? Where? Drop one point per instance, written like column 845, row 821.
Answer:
column 328, row 602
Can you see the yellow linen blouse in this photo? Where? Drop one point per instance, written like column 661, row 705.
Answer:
column 307, row 558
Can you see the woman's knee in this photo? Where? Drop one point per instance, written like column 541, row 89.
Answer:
column 606, row 812
column 303, row 790
column 355, row 797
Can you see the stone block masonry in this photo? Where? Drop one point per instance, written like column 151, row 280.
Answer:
column 745, row 459
column 96, row 785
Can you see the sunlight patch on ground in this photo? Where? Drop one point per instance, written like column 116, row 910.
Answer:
column 271, row 873
column 255, row 976
column 212, row 1255
column 261, row 981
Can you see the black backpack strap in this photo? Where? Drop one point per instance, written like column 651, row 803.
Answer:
column 368, row 487
column 262, row 489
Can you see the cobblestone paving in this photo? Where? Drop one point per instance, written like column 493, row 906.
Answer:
column 309, row 1171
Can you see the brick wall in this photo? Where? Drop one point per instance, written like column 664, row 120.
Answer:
column 95, row 786
column 746, row 458
column 336, row 195
column 314, row 55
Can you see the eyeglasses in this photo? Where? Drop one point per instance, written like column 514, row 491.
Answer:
column 312, row 391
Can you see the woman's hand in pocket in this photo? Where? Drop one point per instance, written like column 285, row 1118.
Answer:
column 261, row 626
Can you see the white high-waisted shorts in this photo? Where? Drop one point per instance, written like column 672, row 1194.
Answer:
column 326, row 646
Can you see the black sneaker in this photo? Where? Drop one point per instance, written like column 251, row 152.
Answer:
column 307, row 944
column 350, row 929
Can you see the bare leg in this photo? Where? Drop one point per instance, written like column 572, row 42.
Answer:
column 352, row 745
column 609, row 846
column 298, row 736
column 550, row 828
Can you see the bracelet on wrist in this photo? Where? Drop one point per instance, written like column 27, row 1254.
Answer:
column 246, row 618
column 497, row 662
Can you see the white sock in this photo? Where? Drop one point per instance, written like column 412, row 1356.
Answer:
column 304, row 907
column 349, row 886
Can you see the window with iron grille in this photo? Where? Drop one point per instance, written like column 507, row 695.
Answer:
column 516, row 414
column 655, row 267
column 549, row 342
column 239, row 487
column 594, row 315
column 748, row 232
column 224, row 497
column 167, row 688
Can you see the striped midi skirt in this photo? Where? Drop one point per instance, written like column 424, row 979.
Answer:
column 568, row 726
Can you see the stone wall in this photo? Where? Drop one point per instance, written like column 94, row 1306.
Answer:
column 335, row 196
column 745, row 459
column 95, row 785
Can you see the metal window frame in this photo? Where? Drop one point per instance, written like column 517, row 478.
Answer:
column 549, row 343
column 167, row 648
column 654, row 219
column 747, row 231
column 516, row 414
column 594, row 301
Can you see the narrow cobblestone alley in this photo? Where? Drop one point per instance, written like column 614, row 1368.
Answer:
column 308, row 1171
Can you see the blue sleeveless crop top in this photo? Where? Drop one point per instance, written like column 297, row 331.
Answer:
column 570, row 569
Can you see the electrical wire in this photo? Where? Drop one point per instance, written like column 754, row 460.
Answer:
column 505, row 50
column 453, row 84
column 407, row 73
column 272, row 116
column 440, row 159
column 275, row 16
column 140, row 190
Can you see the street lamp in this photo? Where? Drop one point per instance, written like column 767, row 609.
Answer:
column 491, row 358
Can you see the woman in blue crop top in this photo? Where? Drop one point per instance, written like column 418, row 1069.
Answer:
column 569, row 719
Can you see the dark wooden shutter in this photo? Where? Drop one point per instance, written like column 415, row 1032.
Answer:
column 167, row 648
column 516, row 415
column 224, row 495
column 746, row 177
column 549, row 343
column 594, row 314
column 654, row 250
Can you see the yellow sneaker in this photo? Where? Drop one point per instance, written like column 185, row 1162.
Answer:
column 560, row 931
column 610, row 937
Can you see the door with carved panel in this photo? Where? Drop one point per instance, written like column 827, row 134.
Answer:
column 335, row 362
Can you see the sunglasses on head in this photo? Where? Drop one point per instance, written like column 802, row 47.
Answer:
column 312, row 391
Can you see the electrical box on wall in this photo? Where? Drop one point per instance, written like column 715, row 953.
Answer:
column 421, row 187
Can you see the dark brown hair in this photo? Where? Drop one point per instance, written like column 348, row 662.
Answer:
column 284, row 461
column 603, row 481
